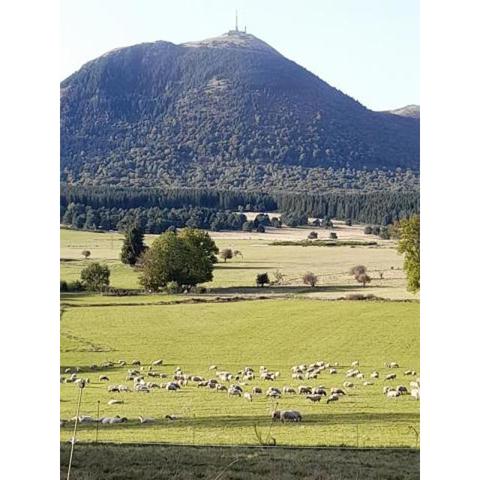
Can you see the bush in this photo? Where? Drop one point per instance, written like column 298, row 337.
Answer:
column 294, row 219
column 348, row 222
column 360, row 274
column 260, row 229
column 368, row 230
column 86, row 253
column 333, row 236
column 312, row 235
column 358, row 270
column 247, row 227
column 172, row 288
column 376, row 229
column 276, row 223
column 262, row 279
column 95, row 277
column 310, row 279
column 384, row 233
column 226, row 254
column 75, row 286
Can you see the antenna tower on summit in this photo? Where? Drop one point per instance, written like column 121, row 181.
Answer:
column 236, row 20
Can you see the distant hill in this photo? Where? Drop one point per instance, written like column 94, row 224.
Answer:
column 227, row 112
column 411, row 111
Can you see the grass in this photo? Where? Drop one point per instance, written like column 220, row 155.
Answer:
column 127, row 462
column 275, row 333
column 331, row 265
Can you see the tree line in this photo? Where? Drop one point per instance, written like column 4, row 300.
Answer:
column 216, row 209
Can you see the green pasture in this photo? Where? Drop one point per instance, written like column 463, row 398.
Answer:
column 275, row 333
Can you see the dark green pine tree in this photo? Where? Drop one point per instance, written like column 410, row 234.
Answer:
column 133, row 245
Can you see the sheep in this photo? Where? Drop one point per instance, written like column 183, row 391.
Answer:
column 304, row 390
column 257, row 390
column 393, row 394
column 196, row 378
column 387, row 389
column 248, row 396
column 332, row 398
column 113, row 388
column 116, row 419
column 356, row 363
column 319, row 391
column 152, row 385
column 374, row 374
column 84, row 419
column 233, row 391
column 337, row 391
column 103, row 378
column 415, row 393
column 332, row 371
column 212, row 367
column 155, row 363
column 392, row 365
column 146, row 419
column 273, row 394
column 221, row 388
column 359, row 375
column 414, row 385
column 142, row 388
column 136, row 363
column 367, row 384
column 402, row 389
column 115, row 402
column 173, row 386
column 297, row 376
column 314, row 398
column 122, row 363
column 288, row 389
column 153, row 374
column 287, row 416
column 171, row 417
column 391, row 376
column 348, row 384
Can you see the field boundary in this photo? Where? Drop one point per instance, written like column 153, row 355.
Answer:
column 246, row 446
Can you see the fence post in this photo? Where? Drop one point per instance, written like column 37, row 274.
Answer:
column 98, row 420
column 81, row 386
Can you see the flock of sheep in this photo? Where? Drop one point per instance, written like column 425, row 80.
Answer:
column 146, row 378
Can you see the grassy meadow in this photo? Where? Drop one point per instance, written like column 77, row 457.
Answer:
column 236, row 325
column 276, row 333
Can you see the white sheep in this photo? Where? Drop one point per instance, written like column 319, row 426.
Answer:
column 248, row 396
column 115, row 402
column 146, row 420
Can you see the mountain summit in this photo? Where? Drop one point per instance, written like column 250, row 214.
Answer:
column 228, row 111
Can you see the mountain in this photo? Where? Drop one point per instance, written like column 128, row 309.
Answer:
column 227, row 112
column 412, row 111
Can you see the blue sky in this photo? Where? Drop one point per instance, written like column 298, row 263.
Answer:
column 369, row 49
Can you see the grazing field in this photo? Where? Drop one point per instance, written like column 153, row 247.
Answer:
column 128, row 462
column 275, row 333
column 237, row 276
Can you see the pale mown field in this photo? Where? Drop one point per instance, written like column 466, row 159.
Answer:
column 331, row 264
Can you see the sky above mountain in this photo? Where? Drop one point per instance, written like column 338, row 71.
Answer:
column 369, row 49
